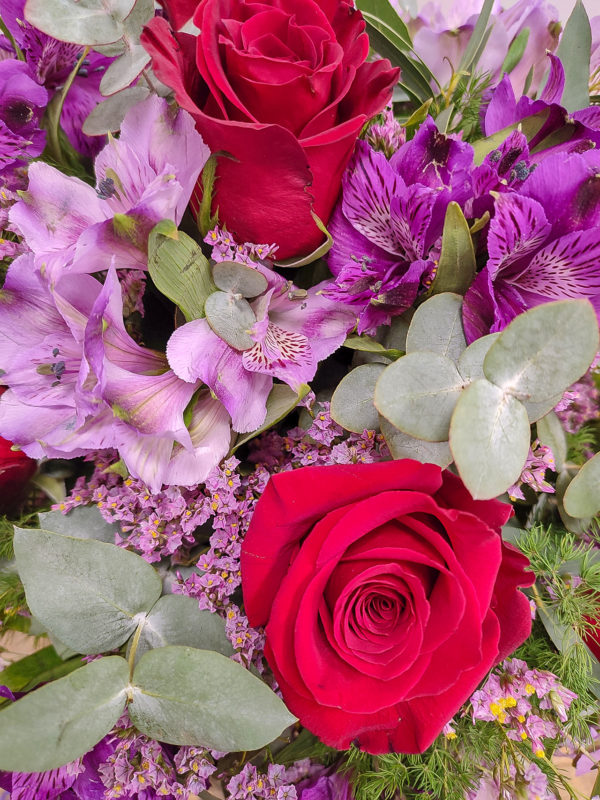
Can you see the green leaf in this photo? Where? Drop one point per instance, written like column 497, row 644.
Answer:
column 437, row 327
column 200, row 698
column 404, row 446
column 176, row 619
column 515, row 51
column 418, row 393
column 456, row 268
column 533, row 359
column 573, row 524
column 239, row 279
column 479, row 31
column 366, row 344
column 352, row 402
column 574, row 52
column 64, row 719
column 551, row 433
column 83, row 522
column 124, row 70
column 85, row 22
column 40, row 667
column 281, row 400
column 470, row 363
column 231, row 318
column 582, row 498
column 539, row 409
column 179, row 269
column 489, row 439
column 382, row 15
column 89, row 594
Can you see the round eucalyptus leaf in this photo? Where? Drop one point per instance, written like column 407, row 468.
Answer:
column 537, row 410
column 231, row 318
column 85, row 22
column 544, row 350
column 470, row 363
column 418, row 393
column 200, row 698
column 404, row 446
column 352, row 402
column 83, row 522
column 108, row 115
column 395, row 335
column 551, row 433
column 239, row 279
column 86, row 593
column 582, row 497
column 437, row 327
column 64, row 719
column 489, row 439
column 573, row 524
column 176, row 619
column 124, row 70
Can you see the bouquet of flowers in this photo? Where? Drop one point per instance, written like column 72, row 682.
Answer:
column 300, row 354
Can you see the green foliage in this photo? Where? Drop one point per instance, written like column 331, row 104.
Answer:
column 581, row 443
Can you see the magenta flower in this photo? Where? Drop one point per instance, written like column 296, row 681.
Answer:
column 22, row 103
column 146, row 175
column 293, row 332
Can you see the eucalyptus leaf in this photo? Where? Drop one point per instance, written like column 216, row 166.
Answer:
column 84, row 22
column 582, row 497
column 239, row 279
column 437, row 327
column 418, row 394
column 231, row 318
column 108, row 115
column 574, row 52
column 395, row 335
column 82, row 522
column 489, row 439
column 124, row 70
column 89, row 594
column 457, row 266
column 352, row 401
column 179, row 269
column 551, row 433
column 402, row 445
column 281, row 400
column 572, row 524
column 65, row 719
column 200, row 698
column 539, row 409
column 176, row 619
column 533, row 359
column 470, row 363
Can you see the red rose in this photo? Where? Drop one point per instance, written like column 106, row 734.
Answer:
column 16, row 469
column 283, row 88
column 387, row 594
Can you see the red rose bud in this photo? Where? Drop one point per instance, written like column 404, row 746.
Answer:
column 283, row 89
column 387, row 594
column 16, row 469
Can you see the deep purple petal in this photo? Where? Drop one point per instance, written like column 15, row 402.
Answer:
column 556, row 81
column 518, row 229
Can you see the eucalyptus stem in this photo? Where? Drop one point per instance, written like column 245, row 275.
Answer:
column 134, row 646
column 55, row 109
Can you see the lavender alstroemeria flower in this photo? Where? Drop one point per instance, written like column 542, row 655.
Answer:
column 22, row 103
column 387, row 226
column 293, row 332
column 543, row 244
column 146, row 175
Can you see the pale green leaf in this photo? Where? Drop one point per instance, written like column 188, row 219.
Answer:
column 176, row 619
column 64, row 719
column 457, row 266
column 231, row 318
column 418, row 393
column 470, row 363
column 352, row 401
column 515, row 51
column 404, row 446
column 87, row 593
column 85, row 22
column 230, row 276
column 533, row 359
column 479, row 31
column 551, row 433
column 124, row 70
column 437, row 327
column 108, row 115
column 200, row 698
column 366, row 344
column 574, row 52
column 582, row 498
column 537, row 410
column 489, row 439
column 82, row 522
column 179, row 269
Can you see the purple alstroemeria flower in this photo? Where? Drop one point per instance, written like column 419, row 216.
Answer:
column 146, row 175
column 293, row 332
column 387, row 226
column 543, row 244
column 330, row 786
column 504, row 109
column 22, row 103
column 51, row 62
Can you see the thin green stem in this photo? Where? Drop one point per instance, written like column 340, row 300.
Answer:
column 134, row 647
column 55, row 108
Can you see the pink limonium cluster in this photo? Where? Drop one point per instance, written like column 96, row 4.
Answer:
column 539, row 460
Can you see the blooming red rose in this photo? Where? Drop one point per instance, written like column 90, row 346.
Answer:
column 387, row 594
column 16, row 469
column 281, row 87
